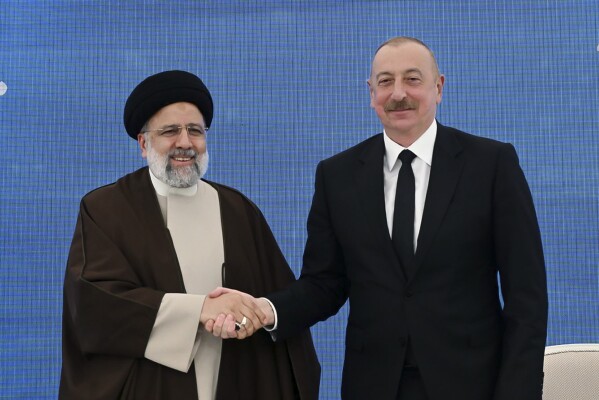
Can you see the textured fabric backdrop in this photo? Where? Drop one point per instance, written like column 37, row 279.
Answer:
column 289, row 83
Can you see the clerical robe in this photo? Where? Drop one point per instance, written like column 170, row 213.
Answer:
column 122, row 262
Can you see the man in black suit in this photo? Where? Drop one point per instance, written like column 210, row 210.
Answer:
column 426, row 320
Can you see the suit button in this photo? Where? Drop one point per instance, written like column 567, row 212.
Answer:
column 403, row 341
column 409, row 294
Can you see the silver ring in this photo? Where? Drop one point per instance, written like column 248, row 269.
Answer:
column 239, row 325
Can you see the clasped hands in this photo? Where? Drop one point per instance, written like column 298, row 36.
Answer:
column 223, row 307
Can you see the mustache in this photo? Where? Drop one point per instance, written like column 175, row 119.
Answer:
column 182, row 153
column 401, row 105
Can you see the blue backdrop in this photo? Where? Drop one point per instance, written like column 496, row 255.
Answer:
column 289, row 83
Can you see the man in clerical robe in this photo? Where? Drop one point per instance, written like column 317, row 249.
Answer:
column 146, row 251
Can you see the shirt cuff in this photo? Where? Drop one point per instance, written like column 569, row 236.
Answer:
column 272, row 327
column 175, row 337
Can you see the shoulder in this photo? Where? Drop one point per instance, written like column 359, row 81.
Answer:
column 470, row 141
column 229, row 196
column 116, row 191
column 228, row 192
column 478, row 152
column 346, row 162
column 373, row 143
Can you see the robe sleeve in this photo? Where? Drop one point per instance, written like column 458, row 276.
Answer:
column 112, row 312
column 175, row 338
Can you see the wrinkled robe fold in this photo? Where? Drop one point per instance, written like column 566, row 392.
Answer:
column 121, row 263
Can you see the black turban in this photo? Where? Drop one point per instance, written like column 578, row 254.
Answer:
column 159, row 91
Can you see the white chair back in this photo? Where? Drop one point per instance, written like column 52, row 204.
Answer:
column 571, row 372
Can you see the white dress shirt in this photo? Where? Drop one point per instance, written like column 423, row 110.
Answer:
column 423, row 149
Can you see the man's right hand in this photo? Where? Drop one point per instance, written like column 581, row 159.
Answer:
column 224, row 324
column 222, row 310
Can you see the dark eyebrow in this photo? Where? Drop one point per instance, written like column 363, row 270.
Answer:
column 406, row 72
column 168, row 126
column 178, row 125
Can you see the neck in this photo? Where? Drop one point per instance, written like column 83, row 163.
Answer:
column 407, row 138
column 404, row 139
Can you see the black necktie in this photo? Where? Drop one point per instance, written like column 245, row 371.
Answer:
column 403, row 216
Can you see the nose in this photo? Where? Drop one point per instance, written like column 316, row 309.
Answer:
column 183, row 139
column 399, row 92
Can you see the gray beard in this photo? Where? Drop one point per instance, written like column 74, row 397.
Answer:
column 179, row 177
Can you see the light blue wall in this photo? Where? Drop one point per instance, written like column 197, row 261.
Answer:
column 288, row 79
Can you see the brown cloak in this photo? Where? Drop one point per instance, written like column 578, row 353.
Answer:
column 121, row 263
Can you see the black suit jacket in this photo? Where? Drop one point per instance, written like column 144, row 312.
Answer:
column 478, row 221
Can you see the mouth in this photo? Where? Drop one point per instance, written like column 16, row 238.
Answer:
column 182, row 159
column 399, row 110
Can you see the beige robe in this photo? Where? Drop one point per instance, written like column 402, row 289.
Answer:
column 192, row 216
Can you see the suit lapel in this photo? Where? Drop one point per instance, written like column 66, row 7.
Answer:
column 445, row 172
column 370, row 184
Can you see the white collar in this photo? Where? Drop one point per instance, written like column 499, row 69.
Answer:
column 422, row 147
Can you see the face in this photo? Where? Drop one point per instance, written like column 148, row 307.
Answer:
column 405, row 88
column 178, row 160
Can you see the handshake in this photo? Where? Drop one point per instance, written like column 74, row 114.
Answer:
column 231, row 314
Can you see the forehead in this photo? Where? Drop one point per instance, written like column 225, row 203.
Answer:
column 181, row 112
column 407, row 56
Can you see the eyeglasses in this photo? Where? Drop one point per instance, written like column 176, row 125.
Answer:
column 193, row 130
